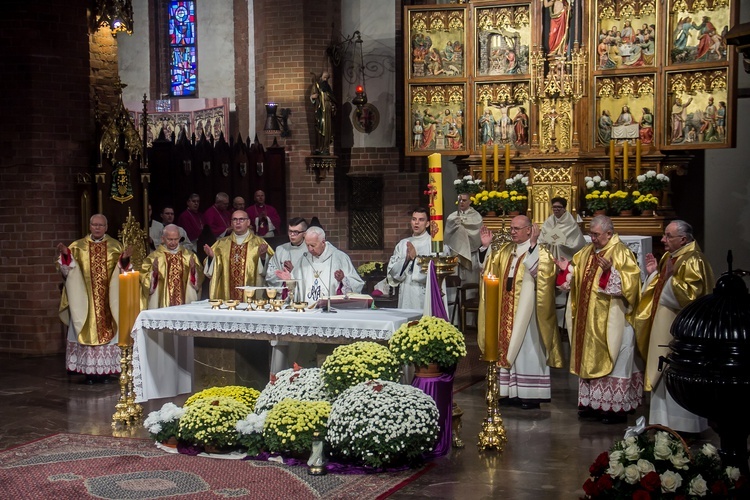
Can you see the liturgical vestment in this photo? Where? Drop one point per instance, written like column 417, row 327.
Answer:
column 169, row 282
column 237, row 263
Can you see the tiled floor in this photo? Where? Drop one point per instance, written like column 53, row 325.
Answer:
column 547, row 455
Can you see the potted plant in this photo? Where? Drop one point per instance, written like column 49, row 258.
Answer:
column 372, row 269
column 513, row 201
column 518, row 183
column 211, row 423
column 428, row 341
column 250, row 431
column 622, row 201
column 597, row 202
column 163, row 425
column 302, row 384
column 469, row 185
column 382, row 423
column 657, row 464
column 290, row 425
column 486, row 202
column 651, row 182
column 243, row 394
column 351, row 364
column 646, row 203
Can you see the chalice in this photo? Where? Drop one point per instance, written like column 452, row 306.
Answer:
column 215, row 303
column 299, row 306
column 271, row 293
column 232, row 304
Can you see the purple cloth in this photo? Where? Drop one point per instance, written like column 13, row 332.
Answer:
column 441, row 390
column 436, row 295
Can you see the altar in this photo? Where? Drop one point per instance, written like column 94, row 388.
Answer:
column 163, row 354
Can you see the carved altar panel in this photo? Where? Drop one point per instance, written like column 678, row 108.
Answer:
column 502, row 111
column 696, row 31
column 627, row 35
column 437, row 43
column 503, row 40
column 436, row 119
column 625, row 109
column 696, row 109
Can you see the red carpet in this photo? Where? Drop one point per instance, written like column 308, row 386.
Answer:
column 79, row 466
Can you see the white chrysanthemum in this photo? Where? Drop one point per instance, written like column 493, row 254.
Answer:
column 468, row 178
column 457, row 182
column 590, row 184
column 641, row 178
column 596, row 178
column 253, row 423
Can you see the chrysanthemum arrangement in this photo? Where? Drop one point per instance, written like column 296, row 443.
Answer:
column 657, row 465
column 290, row 425
column 651, row 181
column 250, row 430
column 597, row 200
column 622, row 200
column 512, row 201
column 467, row 184
column 351, row 364
column 518, row 183
column 595, row 183
column 212, row 421
column 646, row 201
column 369, row 268
column 382, row 423
column 429, row 340
column 164, row 423
column 246, row 395
column 302, row 384
column 486, row 201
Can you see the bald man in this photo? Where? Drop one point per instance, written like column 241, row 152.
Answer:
column 528, row 340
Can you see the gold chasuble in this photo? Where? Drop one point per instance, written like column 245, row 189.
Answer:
column 597, row 320
column 173, row 283
column 235, row 265
column 90, row 296
column 520, row 303
column 692, row 278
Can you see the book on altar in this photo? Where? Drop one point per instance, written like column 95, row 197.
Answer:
column 348, row 301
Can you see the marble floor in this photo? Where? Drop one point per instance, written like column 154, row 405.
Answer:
column 547, row 455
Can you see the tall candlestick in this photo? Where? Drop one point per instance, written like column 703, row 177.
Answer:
column 435, row 188
column 612, row 161
column 624, row 163
column 130, row 305
column 484, row 163
column 496, row 172
column 507, row 161
column 491, row 319
column 637, row 158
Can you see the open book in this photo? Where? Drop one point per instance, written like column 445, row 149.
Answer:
column 348, row 301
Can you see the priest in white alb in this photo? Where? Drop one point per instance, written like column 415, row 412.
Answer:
column 403, row 270
column 323, row 271
column 287, row 255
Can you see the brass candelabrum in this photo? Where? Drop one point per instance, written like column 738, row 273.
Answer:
column 127, row 411
column 492, row 435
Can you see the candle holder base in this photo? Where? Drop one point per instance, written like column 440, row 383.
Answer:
column 492, row 435
column 127, row 411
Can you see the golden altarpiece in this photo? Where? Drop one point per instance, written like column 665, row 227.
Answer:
column 570, row 89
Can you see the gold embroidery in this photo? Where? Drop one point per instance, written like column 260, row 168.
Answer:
column 105, row 330
column 174, row 279
column 237, row 256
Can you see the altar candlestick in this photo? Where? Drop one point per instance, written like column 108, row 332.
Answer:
column 612, row 161
column 624, row 163
column 491, row 304
column 637, row 158
column 507, row 161
column 484, row 163
column 496, row 173
column 435, row 189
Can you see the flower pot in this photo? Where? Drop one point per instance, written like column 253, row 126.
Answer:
column 171, row 442
column 218, row 450
column 431, row 370
column 626, row 213
column 647, row 213
column 602, row 211
column 491, row 213
column 514, row 213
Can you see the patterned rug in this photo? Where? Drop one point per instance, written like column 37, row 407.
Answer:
column 80, row 466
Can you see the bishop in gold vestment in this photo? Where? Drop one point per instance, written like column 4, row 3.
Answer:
column 89, row 302
column 236, row 260
column 528, row 339
column 604, row 293
column 682, row 276
column 170, row 275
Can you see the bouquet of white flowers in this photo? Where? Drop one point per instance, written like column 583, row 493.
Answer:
column 518, row 183
column 382, row 424
column 165, row 423
column 651, row 181
column 250, row 430
column 301, row 384
column 468, row 184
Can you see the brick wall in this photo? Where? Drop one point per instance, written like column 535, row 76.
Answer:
column 45, row 139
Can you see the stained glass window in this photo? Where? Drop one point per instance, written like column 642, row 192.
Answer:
column 183, row 64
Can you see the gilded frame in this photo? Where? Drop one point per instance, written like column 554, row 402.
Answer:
column 436, row 119
column 496, row 122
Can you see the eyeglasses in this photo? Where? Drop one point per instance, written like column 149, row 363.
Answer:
column 294, row 232
column 672, row 235
column 512, row 229
column 595, row 235
column 557, row 207
column 98, row 225
column 239, row 219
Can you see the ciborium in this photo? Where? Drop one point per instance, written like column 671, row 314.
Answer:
column 215, row 303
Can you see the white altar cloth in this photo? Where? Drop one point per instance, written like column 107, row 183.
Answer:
column 163, row 338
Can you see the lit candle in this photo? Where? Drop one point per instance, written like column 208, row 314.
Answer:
column 484, row 163
column 637, row 157
column 496, row 172
column 507, row 161
column 624, row 163
column 435, row 169
column 612, row 160
column 491, row 318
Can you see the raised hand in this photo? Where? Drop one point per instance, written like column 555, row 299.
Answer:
column 209, row 251
column 535, row 232
column 605, row 264
column 651, row 263
column 62, row 249
column 485, row 235
column 339, row 275
column 127, row 252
